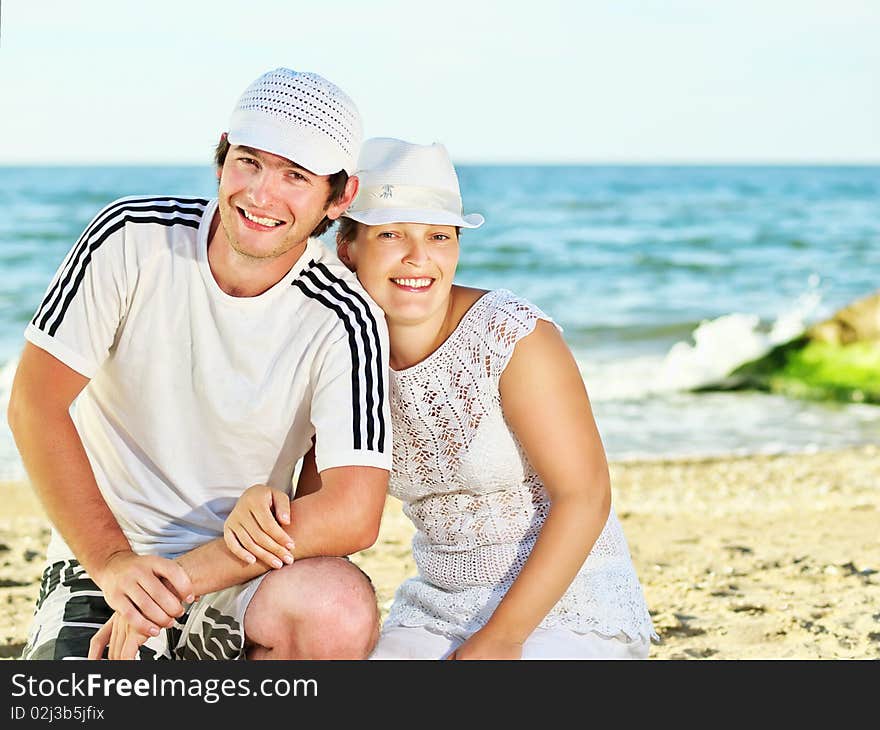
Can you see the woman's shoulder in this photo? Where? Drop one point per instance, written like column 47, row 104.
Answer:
column 464, row 298
column 491, row 303
column 497, row 319
column 506, row 309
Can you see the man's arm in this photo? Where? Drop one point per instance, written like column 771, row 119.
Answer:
column 339, row 518
column 53, row 455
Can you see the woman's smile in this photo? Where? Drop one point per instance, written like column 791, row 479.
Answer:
column 421, row 284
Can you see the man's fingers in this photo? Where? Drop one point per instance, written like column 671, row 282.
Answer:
column 177, row 577
column 131, row 644
column 100, row 640
column 124, row 641
column 131, row 612
column 142, row 589
column 147, row 596
column 163, row 598
column 115, row 643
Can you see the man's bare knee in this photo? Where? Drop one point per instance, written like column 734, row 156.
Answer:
column 319, row 608
column 345, row 622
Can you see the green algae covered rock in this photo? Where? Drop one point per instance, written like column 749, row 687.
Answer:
column 849, row 373
column 838, row 359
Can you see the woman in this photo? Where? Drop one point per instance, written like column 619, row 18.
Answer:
column 497, row 457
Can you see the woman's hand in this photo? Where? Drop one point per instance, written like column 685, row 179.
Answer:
column 253, row 530
column 485, row 645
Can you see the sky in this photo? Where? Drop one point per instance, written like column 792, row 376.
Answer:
column 497, row 81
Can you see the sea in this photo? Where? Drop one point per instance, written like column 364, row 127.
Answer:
column 663, row 278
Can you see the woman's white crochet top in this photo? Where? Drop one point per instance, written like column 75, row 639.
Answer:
column 474, row 498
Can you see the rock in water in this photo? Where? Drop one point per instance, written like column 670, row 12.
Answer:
column 856, row 322
column 838, row 359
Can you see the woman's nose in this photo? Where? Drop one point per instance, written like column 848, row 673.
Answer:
column 416, row 252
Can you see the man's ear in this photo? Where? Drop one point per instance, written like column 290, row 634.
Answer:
column 223, row 136
column 339, row 206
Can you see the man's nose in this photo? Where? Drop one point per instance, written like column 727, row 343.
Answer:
column 262, row 188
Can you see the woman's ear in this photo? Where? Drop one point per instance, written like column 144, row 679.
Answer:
column 343, row 251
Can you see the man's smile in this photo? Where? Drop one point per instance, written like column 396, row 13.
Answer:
column 262, row 221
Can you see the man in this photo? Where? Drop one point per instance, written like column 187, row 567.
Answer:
column 208, row 344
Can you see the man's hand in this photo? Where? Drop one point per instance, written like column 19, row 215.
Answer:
column 253, row 531
column 147, row 591
column 121, row 639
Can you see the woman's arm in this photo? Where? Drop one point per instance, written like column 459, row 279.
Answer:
column 546, row 406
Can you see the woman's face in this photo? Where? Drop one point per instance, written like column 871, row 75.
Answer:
column 407, row 268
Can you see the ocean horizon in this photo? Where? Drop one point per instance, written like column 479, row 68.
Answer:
column 668, row 164
column 661, row 275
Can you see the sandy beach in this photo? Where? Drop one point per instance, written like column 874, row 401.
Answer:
column 758, row 557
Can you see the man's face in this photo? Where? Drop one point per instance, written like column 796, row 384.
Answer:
column 269, row 205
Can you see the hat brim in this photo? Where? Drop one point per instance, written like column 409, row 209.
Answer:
column 302, row 146
column 383, row 216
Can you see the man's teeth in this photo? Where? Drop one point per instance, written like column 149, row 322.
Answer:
column 261, row 221
column 413, row 283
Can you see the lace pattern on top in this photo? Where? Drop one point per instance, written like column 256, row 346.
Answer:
column 474, row 498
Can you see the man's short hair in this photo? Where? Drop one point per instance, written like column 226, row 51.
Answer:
column 337, row 182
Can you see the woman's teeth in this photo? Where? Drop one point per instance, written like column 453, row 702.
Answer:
column 262, row 221
column 413, row 283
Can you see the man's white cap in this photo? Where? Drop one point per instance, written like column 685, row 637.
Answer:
column 300, row 116
column 401, row 182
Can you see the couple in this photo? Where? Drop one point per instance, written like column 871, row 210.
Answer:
column 215, row 344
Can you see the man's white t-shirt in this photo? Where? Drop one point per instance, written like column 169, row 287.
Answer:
column 195, row 395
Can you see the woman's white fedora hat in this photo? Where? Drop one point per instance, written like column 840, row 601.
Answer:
column 401, row 182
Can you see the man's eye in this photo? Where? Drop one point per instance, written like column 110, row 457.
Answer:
column 247, row 160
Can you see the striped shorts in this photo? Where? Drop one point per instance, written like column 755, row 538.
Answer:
column 71, row 608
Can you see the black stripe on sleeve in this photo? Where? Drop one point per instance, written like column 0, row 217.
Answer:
column 371, row 320
column 355, row 380
column 368, row 355
column 53, row 308
column 107, row 214
column 332, row 294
